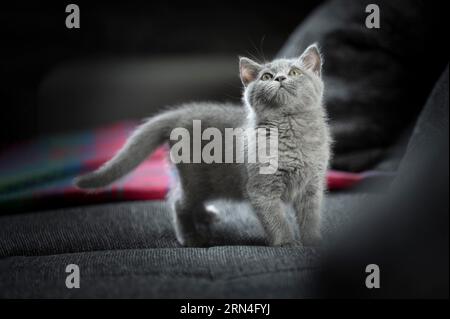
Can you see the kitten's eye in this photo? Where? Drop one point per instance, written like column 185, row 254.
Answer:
column 266, row 76
column 295, row 72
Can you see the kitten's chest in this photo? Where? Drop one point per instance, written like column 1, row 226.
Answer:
column 300, row 147
column 302, row 154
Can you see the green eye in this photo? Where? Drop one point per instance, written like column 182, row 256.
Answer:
column 295, row 72
column 266, row 76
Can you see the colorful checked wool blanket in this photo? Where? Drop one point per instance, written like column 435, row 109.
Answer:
column 37, row 174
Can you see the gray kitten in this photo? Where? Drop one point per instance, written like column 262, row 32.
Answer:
column 285, row 94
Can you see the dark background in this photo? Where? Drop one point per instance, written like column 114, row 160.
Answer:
column 127, row 59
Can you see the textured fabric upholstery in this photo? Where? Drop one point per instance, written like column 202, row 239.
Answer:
column 129, row 249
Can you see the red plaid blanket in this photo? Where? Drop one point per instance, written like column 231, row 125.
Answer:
column 38, row 173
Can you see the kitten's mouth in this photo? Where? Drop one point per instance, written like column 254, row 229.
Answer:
column 285, row 88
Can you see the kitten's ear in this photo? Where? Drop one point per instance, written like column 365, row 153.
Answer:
column 311, row 59
column 248, row 70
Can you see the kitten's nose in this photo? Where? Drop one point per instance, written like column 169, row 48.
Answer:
column 280, row 78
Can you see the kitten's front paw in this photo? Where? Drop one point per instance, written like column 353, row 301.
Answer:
column 294, row 243
column 284, row 240
column 313, row 239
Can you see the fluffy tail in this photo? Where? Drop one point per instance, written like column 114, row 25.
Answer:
column 137, row 148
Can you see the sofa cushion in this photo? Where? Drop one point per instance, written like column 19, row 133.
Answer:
column 129, row 250
column 226, row 271
column 136, row 225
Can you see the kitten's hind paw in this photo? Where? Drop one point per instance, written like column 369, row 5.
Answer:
column 193, row 241
column 212, row 213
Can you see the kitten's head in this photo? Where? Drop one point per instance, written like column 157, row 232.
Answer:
column 283, row 85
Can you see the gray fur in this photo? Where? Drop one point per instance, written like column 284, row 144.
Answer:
column 304, row 151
